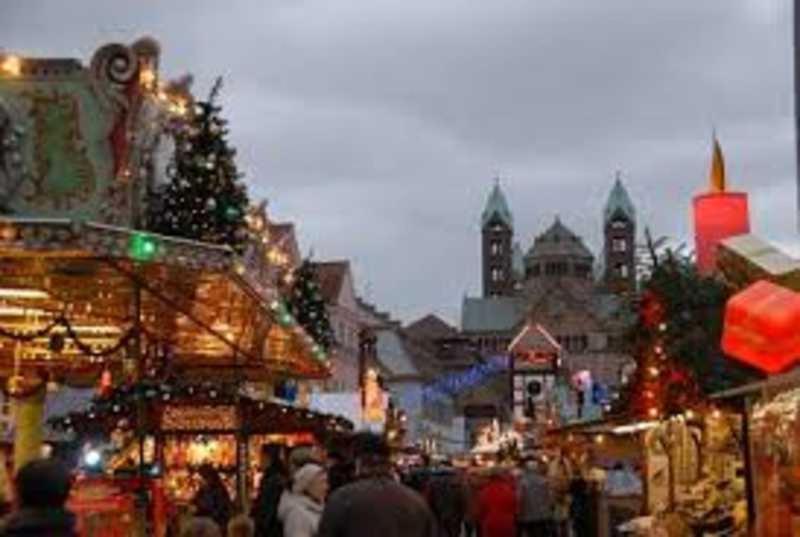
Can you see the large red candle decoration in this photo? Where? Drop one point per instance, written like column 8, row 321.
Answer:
column 718, row 214
column 761, row 327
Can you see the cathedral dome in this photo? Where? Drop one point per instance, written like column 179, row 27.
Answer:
column 558, row 252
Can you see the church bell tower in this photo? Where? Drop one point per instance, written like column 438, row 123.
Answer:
column 619, row 231
column 497, row 235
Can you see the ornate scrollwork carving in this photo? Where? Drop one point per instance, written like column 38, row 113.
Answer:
column 114, row 67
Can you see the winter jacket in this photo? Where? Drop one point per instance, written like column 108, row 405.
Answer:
column 376, row 507
column 446, row 497
column 497, row 506
column 213, row 502
column 535, row 498
column 299, row 515
column 265, row 507
column 39, row 523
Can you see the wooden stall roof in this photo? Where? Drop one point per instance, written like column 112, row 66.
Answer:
column 179, row 407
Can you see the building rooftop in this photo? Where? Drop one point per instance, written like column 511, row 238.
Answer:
column 497, row 208
column 331, row 276
column 430, row 328
column 619, row 204
column 558, row 241
column 492, row 314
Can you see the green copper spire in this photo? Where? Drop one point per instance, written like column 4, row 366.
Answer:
column 497, row 208
column 619, row 203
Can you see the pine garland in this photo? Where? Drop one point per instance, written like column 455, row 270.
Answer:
column 307, row 306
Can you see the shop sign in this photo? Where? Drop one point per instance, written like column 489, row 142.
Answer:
column 199, row 418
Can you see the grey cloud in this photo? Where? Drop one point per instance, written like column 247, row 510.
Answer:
column 377, row 125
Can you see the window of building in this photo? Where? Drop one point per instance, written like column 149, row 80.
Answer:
column 619, row 245
column 622, row 271
column 496, row 247
column 497, row 274
column 618, row 224
column 582, row 270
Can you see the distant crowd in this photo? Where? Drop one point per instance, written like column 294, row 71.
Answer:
column 308, row 493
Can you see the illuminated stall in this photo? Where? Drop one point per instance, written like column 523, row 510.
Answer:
column 187, row 425
column 87, row 297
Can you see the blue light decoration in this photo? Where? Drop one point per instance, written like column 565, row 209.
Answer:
column 455, row 383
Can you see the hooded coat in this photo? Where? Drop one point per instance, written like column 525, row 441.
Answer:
column 299, row 514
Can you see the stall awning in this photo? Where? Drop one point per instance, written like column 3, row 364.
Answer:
column 71, row 292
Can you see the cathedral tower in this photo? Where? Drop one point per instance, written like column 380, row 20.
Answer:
column 619, row 230
column 497, row 234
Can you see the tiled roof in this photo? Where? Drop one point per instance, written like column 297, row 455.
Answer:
column 492, row 314
column 430, row 327
column 393, row 355
column 559, row 241
column 331, row 275
column 619, row 204
column 497, row 208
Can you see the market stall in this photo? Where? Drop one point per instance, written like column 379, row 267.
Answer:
column 187, row 425
column 774, row 455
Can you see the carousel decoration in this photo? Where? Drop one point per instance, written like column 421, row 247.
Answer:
column 88, row 290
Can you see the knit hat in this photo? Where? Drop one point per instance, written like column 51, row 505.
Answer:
column 304, row 476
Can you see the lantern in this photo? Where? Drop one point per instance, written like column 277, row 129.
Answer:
column 718, row 215
column 761, row 327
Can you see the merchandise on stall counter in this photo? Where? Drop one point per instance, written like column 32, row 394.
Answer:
column 775, row 444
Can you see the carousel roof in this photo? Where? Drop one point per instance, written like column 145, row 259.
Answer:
column 70, row 292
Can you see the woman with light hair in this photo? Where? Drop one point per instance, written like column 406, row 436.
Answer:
column 300, row 510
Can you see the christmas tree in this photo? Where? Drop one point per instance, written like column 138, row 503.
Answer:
column 205, row 199
column 676, row 338
column 308, row 306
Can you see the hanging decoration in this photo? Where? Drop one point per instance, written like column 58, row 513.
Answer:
column 761, row 327
column 205, row 199
column 308, row 307
column 456, row 383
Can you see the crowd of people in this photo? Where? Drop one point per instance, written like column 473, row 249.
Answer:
column 358, row 494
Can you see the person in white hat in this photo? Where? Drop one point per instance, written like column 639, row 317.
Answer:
column 301, row 509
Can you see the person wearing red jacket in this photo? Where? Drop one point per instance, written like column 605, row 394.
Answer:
column 497, row 506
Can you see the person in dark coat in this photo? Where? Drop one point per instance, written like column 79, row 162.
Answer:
column 447, row 498
column 265, row 507
column 340, row 471
column 42, row 488
column 212, row 499
column 535, row 501
column 375, row 504
column 579, row 511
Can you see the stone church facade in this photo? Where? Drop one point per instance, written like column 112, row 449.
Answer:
column 558, row 284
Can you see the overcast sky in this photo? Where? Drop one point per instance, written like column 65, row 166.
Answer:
column 377, row 125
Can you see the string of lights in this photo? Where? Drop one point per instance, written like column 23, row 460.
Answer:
column 455, row 383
